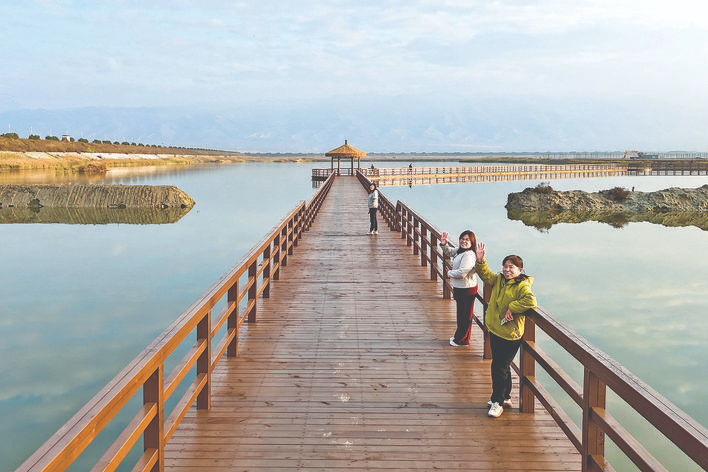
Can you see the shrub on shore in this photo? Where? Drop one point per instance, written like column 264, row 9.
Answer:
column 616, row 194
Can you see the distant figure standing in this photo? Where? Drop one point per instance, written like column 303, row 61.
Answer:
column 410, row 168
column 464, row 283
column 510, row 298
column 373, row 206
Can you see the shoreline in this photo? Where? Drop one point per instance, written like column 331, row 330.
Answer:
column 100, row 162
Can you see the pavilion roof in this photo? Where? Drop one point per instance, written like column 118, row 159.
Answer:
column 345, row 151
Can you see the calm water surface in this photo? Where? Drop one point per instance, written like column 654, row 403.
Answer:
column 78, row 302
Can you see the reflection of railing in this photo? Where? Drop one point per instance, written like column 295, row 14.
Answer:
column 146, row 372
column 321, row 174
column 600, row 373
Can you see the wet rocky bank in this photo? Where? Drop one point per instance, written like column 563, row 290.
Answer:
column 93, row 196
column 544, row 198
column 542, row 207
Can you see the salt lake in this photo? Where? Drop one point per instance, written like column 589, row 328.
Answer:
column 78, row 302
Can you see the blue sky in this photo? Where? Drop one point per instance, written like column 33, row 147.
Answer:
column 415, row 75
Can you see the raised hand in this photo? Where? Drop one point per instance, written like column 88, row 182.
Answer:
column 480, row 251
column 443, row 238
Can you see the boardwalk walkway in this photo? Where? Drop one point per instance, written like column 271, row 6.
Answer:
column 349, row 368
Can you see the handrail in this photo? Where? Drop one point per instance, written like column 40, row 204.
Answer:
column 403, row 172
column 600, row 372
column 260, row 266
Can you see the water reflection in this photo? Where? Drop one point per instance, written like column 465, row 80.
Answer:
column 92, row 216
column 544, row 220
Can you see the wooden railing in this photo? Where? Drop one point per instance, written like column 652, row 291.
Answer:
column 321, row 174
column 600, row 373
column 146, row 372
column 403, row 172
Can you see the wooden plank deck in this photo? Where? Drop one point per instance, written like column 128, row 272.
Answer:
column 349, row 368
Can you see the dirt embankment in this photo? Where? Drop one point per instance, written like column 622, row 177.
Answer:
column 67, row 156
column 93, row 196
column 617, row 199
column 543, row 207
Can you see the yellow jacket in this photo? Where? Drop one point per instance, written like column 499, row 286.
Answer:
column 514, row 295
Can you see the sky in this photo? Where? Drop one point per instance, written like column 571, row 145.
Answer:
column 388, row 75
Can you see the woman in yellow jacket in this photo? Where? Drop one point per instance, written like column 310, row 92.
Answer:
column 511, row 296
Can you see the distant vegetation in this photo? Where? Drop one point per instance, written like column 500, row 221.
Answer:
column 542, row 187
column 68, row 139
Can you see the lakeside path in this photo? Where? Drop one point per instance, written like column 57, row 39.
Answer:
column 349, row 368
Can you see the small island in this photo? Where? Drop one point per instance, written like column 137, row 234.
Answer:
column 541, row 206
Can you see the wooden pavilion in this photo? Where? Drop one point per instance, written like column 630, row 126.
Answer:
column 345, row 152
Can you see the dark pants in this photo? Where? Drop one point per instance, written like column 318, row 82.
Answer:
column 372, row 217
column 503, row 353
column 465, row 305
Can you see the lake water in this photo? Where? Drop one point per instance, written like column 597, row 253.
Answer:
column 78, row 302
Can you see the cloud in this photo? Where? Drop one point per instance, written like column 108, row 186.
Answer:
column 249, row 55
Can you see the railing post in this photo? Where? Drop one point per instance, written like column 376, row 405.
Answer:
column 409, row 229
column 487, row 293
column 296, row 227
column 284, row 246
column 290, row 229
column 416, row 236
column 400, row 215
column 252, row 290
column 423, row 246
column 154, row 435
column 447, row 294
column 276, row 256
column 204, row 361
column 232, row 322
column 593, row 440
column 266, row 271
column 527, row 368
column 433, row 257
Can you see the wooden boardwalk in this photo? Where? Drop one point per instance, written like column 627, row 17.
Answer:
column 349, row 368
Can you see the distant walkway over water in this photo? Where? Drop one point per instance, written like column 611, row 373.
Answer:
column 326, row 349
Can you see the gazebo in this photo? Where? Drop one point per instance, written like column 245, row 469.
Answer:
column 346, row 152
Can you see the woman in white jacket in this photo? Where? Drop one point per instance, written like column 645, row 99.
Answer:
column 464, row 283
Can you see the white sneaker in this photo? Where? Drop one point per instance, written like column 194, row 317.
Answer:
column 507, row 403
column 495, row 410
column 375, row 231
column 453, row 343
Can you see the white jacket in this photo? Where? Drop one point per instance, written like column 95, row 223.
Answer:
column 462, row 274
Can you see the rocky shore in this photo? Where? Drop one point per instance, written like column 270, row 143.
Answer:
column 544, row 198
column 93, row 196
column 542, row 207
